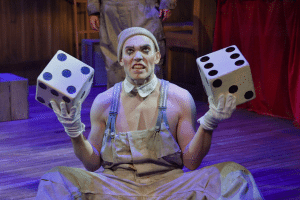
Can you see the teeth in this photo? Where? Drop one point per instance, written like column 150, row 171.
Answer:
column 138, row 67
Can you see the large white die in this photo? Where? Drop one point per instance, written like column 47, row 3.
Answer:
column 65, row 78
column 226, row 71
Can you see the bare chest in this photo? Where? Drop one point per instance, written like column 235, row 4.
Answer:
column 136, row 113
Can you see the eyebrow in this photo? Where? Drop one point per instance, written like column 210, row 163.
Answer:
column 141, row 47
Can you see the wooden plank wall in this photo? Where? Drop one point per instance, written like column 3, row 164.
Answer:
column 34, row 31
column 31, row 33
column 184, row 70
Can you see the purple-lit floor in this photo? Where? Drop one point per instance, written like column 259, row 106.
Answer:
column 268, row 147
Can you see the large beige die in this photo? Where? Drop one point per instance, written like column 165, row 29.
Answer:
column 226, row 71
column 65, row 78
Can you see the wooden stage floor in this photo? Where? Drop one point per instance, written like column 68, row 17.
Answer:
column 267, row 146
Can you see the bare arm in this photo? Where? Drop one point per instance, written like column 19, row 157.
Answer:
column 83, row 147
column 194, row 146
column 84, row 151
column 197, row 148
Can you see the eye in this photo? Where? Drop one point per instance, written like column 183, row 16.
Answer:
column 129, row 51
column 146, row 50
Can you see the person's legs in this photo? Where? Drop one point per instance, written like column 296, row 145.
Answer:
column 60, row 183
column 237, row 182
column 198, row 184
column 74, row 183
column 226, row 180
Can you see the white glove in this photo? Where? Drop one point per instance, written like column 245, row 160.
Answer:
column 71, row 121
column 214, row 115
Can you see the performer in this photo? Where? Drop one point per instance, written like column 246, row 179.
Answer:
column 142, row 133
column 115, row 16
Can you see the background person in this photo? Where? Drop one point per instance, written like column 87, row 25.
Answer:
column 115, row 16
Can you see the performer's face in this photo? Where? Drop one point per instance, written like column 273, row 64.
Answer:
column 139, row 57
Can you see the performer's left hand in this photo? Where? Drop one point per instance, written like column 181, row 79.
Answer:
column 164, row 14
column 215, row 115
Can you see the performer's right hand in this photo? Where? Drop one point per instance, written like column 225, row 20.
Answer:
column 71, row 121
column 94, row 22
column 164, row 14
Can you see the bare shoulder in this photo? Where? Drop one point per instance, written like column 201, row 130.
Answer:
column 101, row 103
column 179, row 94
column 99, row 113
column 183, row 99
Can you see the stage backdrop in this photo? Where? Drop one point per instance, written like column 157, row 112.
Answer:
column 268, row 34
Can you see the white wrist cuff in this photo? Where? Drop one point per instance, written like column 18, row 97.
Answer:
column 73, row 133
column 207, row 124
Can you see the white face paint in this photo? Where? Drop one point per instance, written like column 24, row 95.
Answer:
column 139, row 58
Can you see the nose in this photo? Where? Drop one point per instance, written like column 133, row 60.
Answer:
column 138, row 56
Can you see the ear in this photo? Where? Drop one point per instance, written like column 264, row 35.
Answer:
column 121, row 62
column 157, row 57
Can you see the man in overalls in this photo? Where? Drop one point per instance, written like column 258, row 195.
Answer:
column 144, row 130
column 117, row 15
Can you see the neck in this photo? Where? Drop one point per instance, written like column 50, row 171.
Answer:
column 140, row 82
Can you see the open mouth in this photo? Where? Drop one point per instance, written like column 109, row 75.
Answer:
column 138, row 66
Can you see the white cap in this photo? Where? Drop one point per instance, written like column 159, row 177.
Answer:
column 129, row 32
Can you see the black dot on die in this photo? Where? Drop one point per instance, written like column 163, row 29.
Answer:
column 82, row 95
column 40, row 99
column 230, row 49
column 239, row 62
column 204, row 59
column 66, row 73
column 85, row 70
column 66, row 99
column 213, row 72
column 235, row 56
column 233, row 89
column 71, row 89
column 47, row 76
column 43, row 86
column 54, row 92
column 208, row 65
column 217, row 83
column 249, row 95
column 61, row 57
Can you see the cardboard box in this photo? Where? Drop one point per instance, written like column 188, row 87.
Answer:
column 13, row 97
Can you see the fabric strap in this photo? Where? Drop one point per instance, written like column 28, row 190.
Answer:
column 110, row 126
column 162, row 115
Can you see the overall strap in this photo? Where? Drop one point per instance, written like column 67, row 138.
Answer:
column 110, row 125
column 162, row 114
